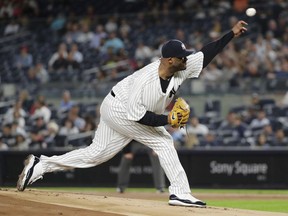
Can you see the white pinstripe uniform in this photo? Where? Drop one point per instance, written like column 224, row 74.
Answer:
column 136, row 94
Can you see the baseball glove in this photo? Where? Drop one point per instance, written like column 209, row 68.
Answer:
column 179, row 115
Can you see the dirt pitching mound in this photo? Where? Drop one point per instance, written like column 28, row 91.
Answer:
column 40, row 202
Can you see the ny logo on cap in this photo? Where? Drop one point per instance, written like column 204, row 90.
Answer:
column 183, row 46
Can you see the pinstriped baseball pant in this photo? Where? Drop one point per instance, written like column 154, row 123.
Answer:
column 114, row 133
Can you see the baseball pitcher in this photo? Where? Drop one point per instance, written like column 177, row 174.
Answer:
column 134, row 110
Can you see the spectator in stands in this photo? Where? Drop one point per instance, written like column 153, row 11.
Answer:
column 111, row 25
column 178, row 137
column 39, row 72
column 280, row 139
column 228, row 123
column 255, row 101
column 143, row 54
column 113, row 42
column 85, row 36
column 212, row 77
column 41, row 109
column 58, row 23
column 19, row 119
column 196, row 131
column 262, row 141
column 72, row 33
column 30, row 8
column 98, row 37
column 58, row 61
column 38, row 133
column 124, row 28
column 3, row 146
column 23, row 60
column 210, row 139
column 32, row 78
column 268, row 132
column 66, row 103
column 7, row 135
column 239, row 127
column 74, row 116
column 6, row 9
column 35, row 103
column 68, row 128
column 26, row 100
column 12, row 28
column 74, row 58
column 260, row 121
column 10, row 113
column 89, row 124
column 22, row 142
column 52, row 132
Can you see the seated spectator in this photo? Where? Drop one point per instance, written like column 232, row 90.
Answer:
column 195, row 132
column 18, row 109
column 3, row 146
column 210, row 139
column 195, row 127
column 90, row 124
column 268, row 132
column 39, row 72
column 19, row 119
column 66, row 103
column 7, row 136
column 228, row 123
column 98, row 37
column 212, row 77
column 22, row 142
column 11, row 28
column 32, row 78
column 143, row 53
column 85, row 36
column 41, row 109
column 124, row 28
column 26, row 100
column 68, row 128
column 260, row 121
column 53, row 129
column 239, row 128
column 58, row 23
column 280, row 139
column 74, row 58
column 72, row 33
column 262, row 141
column 113, row 42
column 24, row 59
column 111, row 25
column 58, row 61
column 74, row 116
column 38, row 133
column 178, row 137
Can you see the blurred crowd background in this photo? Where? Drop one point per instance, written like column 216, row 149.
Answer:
column 59, row 58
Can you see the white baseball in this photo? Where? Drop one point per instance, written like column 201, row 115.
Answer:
column 250, row 12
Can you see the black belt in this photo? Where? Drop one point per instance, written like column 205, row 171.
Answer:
column 112, row 93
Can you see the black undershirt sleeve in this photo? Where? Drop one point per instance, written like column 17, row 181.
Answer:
column 152, row 119
column 212, row 49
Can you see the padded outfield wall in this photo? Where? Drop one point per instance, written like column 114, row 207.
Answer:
column 205, row 168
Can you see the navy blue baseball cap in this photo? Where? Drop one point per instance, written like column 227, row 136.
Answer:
column 174, row 48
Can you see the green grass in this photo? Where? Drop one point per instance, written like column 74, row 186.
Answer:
column 241, row 191
column 271, row 205
column 260, row 205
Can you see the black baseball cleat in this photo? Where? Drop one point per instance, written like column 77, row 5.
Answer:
column 32, row 172
column 185, row 200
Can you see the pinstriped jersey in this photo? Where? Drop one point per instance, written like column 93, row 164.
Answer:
column 141, row 91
